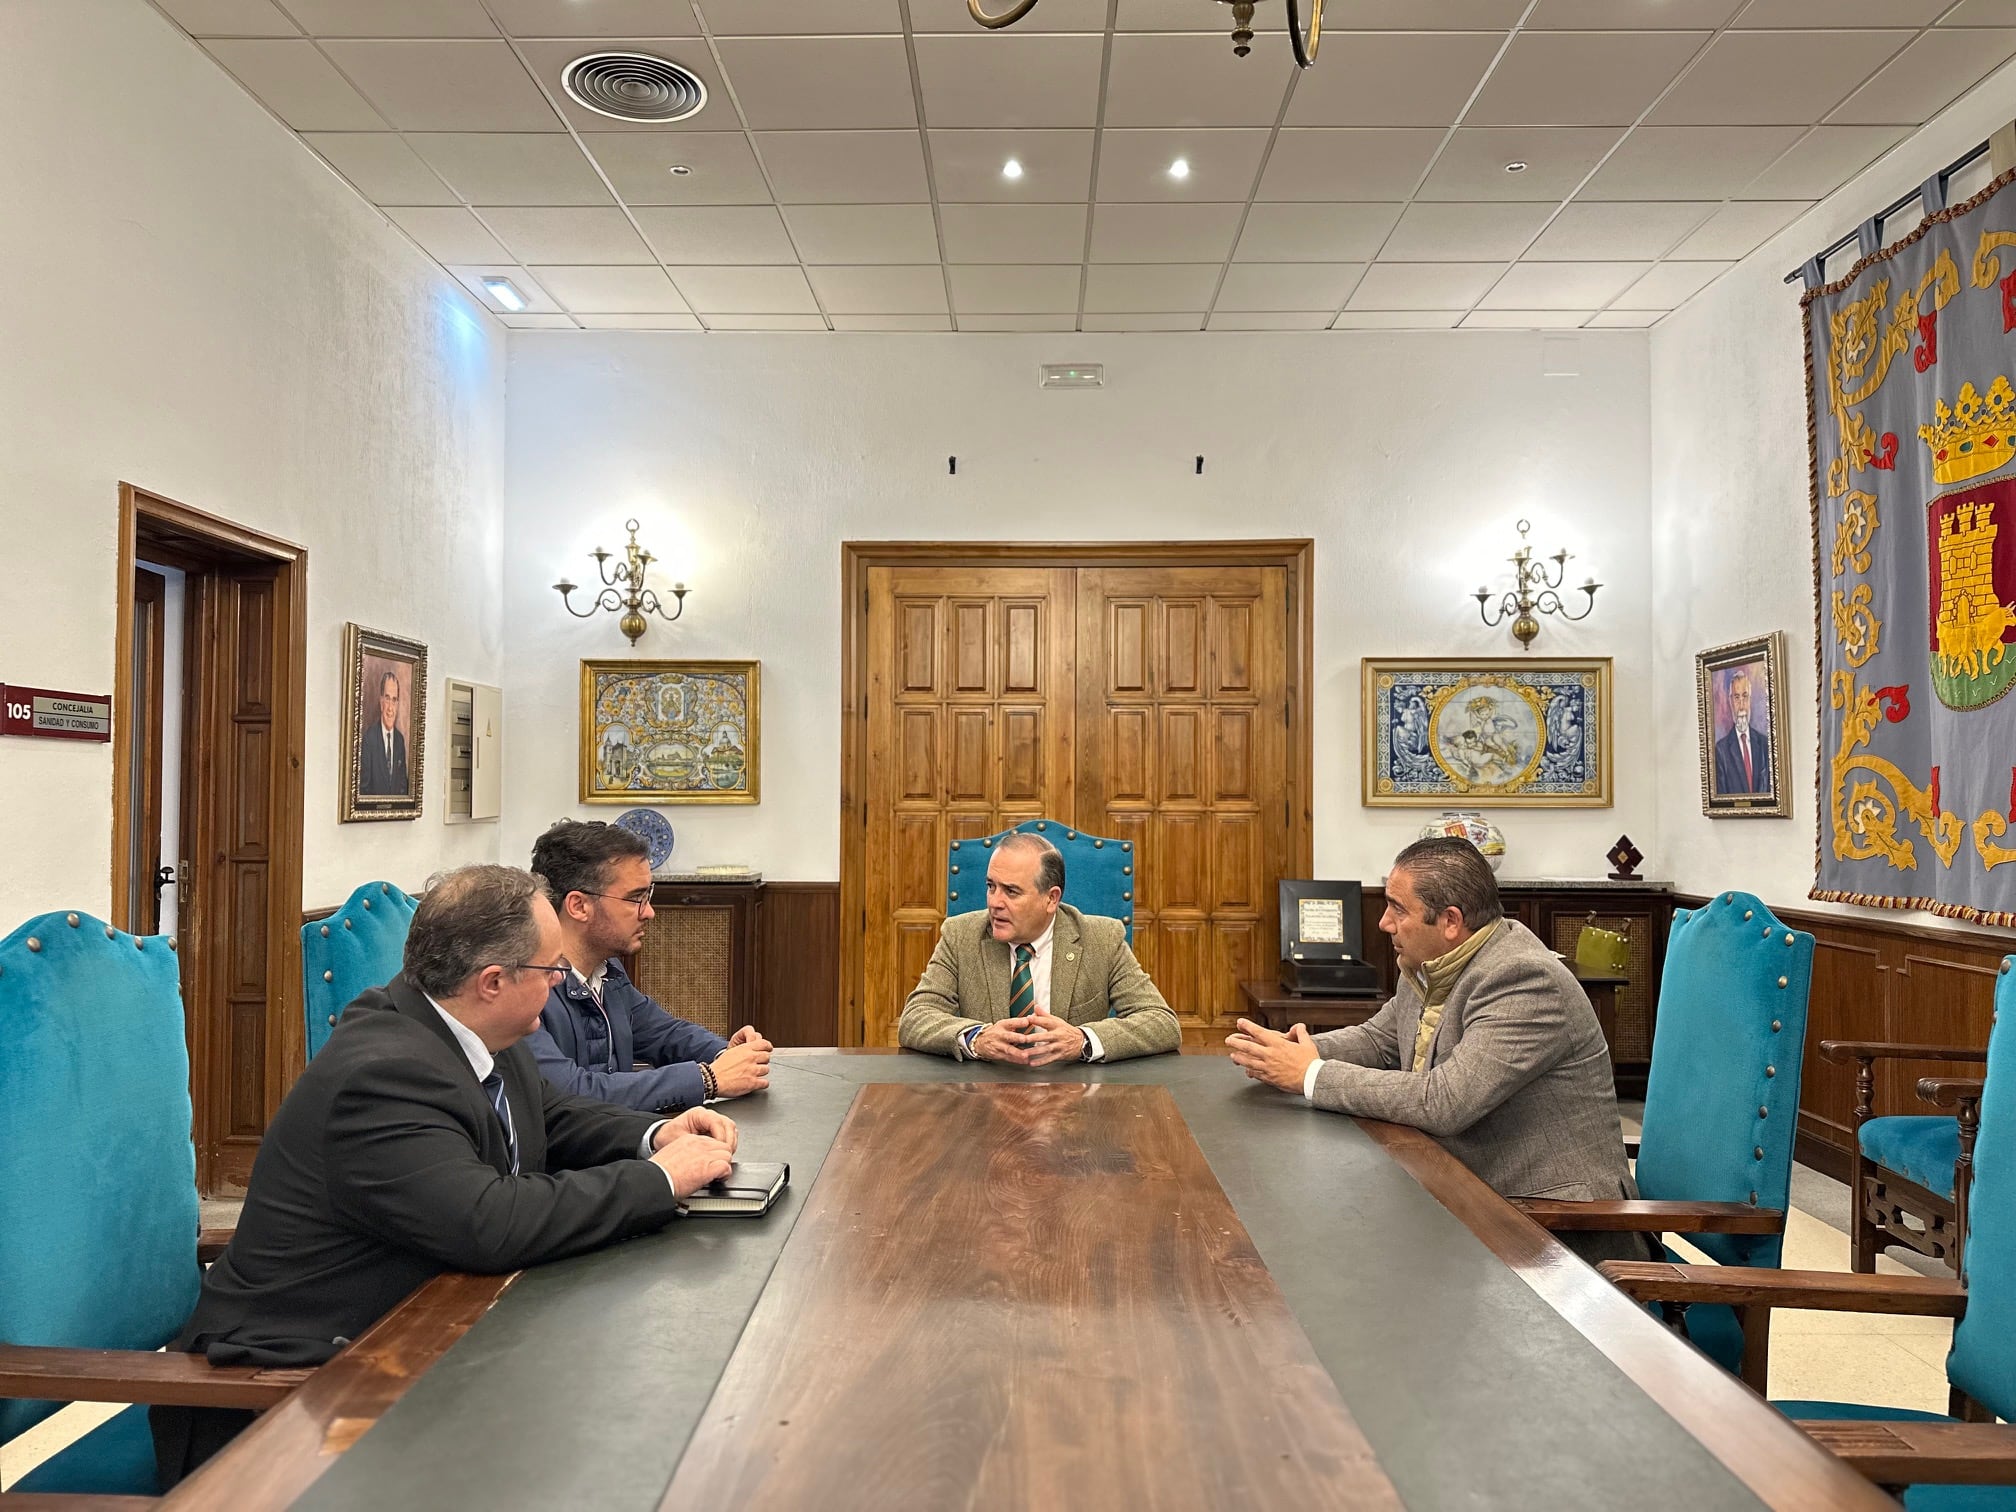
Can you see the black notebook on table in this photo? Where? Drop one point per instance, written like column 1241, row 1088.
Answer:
column 749, row 1190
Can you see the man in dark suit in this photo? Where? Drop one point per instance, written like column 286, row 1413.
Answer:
column 421, row 1140
column 382, row 756
column 1743, row 756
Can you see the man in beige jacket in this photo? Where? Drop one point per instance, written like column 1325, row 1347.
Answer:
column 1031, row 981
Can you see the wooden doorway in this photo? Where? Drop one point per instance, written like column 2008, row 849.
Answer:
column 244, row 701
column 1152, row 692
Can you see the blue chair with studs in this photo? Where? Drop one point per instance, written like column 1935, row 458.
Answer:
column 1098, row 871
column 1721, row 1109
column 360, row 946
column 99, row 1245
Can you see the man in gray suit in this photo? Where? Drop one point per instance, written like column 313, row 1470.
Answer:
column 1031, row 981
column 1489, row 1044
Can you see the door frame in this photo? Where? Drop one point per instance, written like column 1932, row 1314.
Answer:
column 858, row 558
column 204, row 543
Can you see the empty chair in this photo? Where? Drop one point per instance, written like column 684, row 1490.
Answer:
column 359, row 946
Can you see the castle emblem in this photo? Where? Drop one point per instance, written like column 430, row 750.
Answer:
column 1972, row 567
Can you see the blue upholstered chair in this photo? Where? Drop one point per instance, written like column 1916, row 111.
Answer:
column 360, row 946
column 1098, row 872
column 1721, row 1106
column 1923, row 1450
column 98, row 1211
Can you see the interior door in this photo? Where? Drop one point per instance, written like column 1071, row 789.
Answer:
column 144, row 677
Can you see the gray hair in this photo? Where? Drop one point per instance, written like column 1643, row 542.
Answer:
column 1049, row 860
column 472, row 917
column 1452, row 873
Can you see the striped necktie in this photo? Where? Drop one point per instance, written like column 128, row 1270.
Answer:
column 1022, row 986
column 494, row 1085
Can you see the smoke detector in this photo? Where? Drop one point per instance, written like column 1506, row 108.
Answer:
column 634, row 87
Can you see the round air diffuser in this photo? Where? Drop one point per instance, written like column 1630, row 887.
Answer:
column 634, row 87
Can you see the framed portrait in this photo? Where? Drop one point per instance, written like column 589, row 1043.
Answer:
column 671, row 731
column 1742, row 691
column 1531, row 733
column 384, row 726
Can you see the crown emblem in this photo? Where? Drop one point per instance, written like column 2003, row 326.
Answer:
column 1972, row 437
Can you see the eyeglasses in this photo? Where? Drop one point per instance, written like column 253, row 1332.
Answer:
column 638, row 901
column 553, row 973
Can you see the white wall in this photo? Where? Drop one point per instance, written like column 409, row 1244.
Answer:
column 191, row 304
column 1731, row 506
column 749, row 459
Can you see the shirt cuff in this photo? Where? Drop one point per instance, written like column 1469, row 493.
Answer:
column 965, row 1042
column 1309, row 1078
column 1098, row 1050
column 644, row 1151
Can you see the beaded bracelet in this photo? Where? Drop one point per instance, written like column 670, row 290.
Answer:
column 710, row 1089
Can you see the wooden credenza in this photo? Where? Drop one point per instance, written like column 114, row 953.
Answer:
column 724, row 954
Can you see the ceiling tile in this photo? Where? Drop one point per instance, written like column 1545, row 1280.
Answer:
column 1775, row 78
column 1013, row 233
column 987, row 81
column 1051, row 15
column 742, row 18
column 717, row 234
column 604, row 18
column 1422, row 286
column 1430, row 15
column 1144, row 322
column 746, row 291
column 1484, row 232
column 297, row 84
column 538, row 322
column 765, row 323
column 1687, row 162
column 1608, row 15
column 1926, row 77
column 892, row 322
column 998, row 322
column 229, row 18
column 1394, row 79
column 471, row 276
column 500, row 168
column 881, row 291
column 1396, row 320
column 1008, row 290
column 1341, row 164
column 1056, row 165
column 1149, row 288
column 1164, row 233
column 1618, row 229
column 864, row 233
column 639, row 165
column 1163, row 80
column 1557, row 158
column 385, row 170
column 1524, row 320
column 613, row 290
column 392, row 18
column 445, row 86
column 1825, row 159
column 1797, row 13
column 449, row 234
column 1671, row 284
column 1288, row 286
column 845, row 167
column 1981, row 13
column 636, row 322
column 1562, row 286
column 1275, row 320
column 549, row 61
column 1632, row 320
column 1315, row 233
column 1134, row 165
column 1187, row 16
column 548, row 235
column 1582, row 78
column 820, row 83
column 1737, row 230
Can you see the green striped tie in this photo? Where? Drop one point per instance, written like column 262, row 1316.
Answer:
column 1022, row 987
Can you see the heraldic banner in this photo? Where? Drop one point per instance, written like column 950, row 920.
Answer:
column 1910, row 361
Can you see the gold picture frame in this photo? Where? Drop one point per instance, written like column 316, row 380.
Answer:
column 1758, row 666
column 383, row 767
column 671, row 732
column 1530, row 732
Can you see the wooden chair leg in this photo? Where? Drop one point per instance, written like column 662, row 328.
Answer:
column 1963, row 1181
column 1756, row 1325
column 1962, row 1406
column 1864, row 1238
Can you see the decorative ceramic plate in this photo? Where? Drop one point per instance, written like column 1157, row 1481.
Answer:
column 653, row 828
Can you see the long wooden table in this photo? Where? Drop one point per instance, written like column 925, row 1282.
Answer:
column 1145, row 1284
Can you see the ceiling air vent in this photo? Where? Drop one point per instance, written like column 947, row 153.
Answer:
column 633, row 87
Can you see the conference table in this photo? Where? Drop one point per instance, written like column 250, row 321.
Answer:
column 1146, row 1284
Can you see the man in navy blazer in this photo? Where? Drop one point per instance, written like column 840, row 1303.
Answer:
column 597, row 1024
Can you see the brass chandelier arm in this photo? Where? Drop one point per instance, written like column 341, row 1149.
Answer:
column 1305, row 49
column 607, row 599
column 1008, row 17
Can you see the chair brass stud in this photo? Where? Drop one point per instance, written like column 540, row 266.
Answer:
column 139, row 942
column 955, row 845
column 1126, row 871
column 1776, row 1025
column 955, row 897
column 111, row 933
column 1127, row 845
column 987, row 842
column 1070, row 834
column 328, row 976
column 1790, row 938
column 1767, row 931
column 385, row 887
column 367, row 902
column 1753, row 1199
column 332, row 1021
column 1749, row 914
column 1041, row 825
column 1098, row 845
column 1784, row 981
column 1758, row 1153
column 71, row 920
column 1769, row 1072
column 34, row 944
column 1731, row 898
column 1127, row 896
column 347, row 924
column 171, row 942
column 955, row 871
column 325, row 931
column 2005, row 966
column 1762, row 1111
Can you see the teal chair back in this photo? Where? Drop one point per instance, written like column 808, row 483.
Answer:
column 98, row 1211
column 1098, row 872
column 1722, row 1100
column 358, row 947
column 1982, row 1364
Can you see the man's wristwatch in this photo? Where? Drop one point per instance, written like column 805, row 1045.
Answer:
column 1085, row 1050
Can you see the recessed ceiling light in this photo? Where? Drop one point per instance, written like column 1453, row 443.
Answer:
column 1515, row 166
column 1012, row 169
column 679, row 168
column 505, row 293
column 1180, row 169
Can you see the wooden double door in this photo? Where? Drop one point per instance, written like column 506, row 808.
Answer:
column 1152, row 701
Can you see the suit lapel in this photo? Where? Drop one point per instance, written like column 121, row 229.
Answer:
column 490, row 1143
column 994, row 966
column 1066, row 948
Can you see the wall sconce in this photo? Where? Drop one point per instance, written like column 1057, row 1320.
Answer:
column 1533, row 593
column 624, row 589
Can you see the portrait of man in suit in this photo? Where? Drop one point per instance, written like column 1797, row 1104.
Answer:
column 381, row 755
column 384, row 726
column 1743, row 745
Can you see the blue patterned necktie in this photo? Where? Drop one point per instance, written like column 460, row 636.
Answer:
column 494, row 1085
column 1022, row 987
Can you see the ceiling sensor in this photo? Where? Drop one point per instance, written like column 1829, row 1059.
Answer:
column 1515, row 167
column 634, row 87
column 679, row 168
